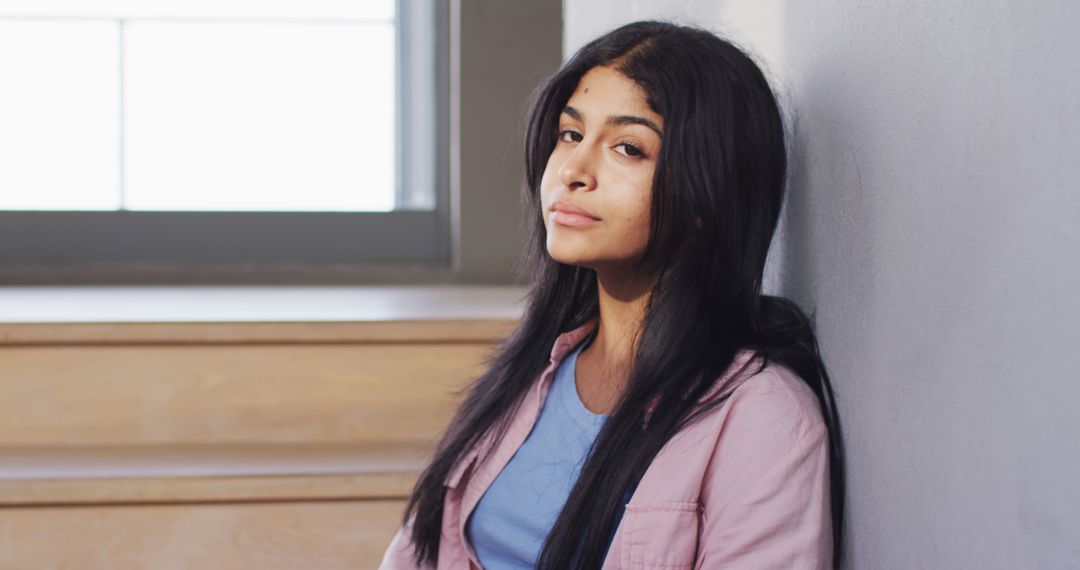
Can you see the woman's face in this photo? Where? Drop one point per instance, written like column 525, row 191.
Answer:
column 596, row 192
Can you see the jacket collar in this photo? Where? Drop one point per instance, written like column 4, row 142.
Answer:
column 564, row 343
column 567, row 341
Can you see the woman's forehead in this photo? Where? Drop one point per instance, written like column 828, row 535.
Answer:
column 605, row 91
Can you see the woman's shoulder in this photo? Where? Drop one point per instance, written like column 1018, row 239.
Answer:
column 770, row 421
column 769, row 432
column 765, row 489
column 768, row 415
column 773, row 396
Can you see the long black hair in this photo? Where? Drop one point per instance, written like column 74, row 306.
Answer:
column 717, row 192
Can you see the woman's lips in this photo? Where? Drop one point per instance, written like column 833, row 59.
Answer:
column 572, row 220
column 572, row 215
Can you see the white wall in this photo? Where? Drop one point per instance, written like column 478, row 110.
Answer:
column 932, row 224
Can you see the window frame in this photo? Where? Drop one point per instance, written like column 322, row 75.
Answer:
column 114, row 245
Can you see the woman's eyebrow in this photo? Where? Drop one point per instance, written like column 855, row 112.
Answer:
column 617, row 120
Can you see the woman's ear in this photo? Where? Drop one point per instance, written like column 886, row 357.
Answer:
column 699, row 221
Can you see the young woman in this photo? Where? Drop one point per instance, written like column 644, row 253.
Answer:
column 653, row 409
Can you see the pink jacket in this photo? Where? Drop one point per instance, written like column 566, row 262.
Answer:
column 747, row 486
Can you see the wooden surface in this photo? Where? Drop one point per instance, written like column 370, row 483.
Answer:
column 221, row 444
column 299, row 535
column 370, row 484
column 248, row 304
column 139, row 333
column 209, row 394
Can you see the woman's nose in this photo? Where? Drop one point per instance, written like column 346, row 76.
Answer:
column 576, row 172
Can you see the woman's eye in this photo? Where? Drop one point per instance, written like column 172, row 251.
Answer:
column 631, row 150
column 573, row 134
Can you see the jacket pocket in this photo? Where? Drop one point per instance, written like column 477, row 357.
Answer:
column 661, row 536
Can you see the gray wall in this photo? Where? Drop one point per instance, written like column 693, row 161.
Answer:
column 507, row 50
column 932, row 224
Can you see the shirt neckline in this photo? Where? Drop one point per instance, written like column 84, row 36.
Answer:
column 570, row 397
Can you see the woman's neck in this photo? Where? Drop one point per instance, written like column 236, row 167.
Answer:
column 604, row 365
column 622, row 310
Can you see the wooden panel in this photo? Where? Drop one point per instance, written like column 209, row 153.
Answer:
column 210, row 394
column 234, row 303
column 484, row 331
column 220, row 445
column 325, row 535
column 136, row 490
column 132, row 474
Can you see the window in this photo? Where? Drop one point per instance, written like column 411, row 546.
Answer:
column 231, row 131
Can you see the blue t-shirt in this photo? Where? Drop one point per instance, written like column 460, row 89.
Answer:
column 517, row 511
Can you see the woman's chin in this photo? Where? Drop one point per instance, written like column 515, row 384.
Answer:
column 571, row 257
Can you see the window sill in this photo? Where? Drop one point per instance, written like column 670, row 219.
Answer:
column 198, row 314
